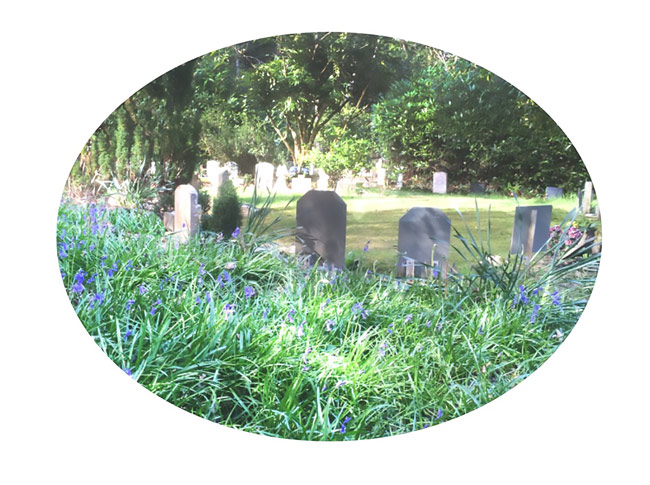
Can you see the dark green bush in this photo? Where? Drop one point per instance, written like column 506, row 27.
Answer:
column 226, row 211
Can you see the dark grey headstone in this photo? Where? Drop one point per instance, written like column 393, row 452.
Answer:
column 419, row 230
column 554, row 192
column 477, row 187
column 321, row 219
column 531, row 228
column 440, row 182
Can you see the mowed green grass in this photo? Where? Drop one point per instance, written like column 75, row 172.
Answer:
column 374, row 217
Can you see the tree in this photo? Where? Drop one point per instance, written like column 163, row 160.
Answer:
column 299, row 83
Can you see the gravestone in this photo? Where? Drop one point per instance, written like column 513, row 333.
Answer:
column 477, row 187
column 346, row 187
column 323, row 180
column 233, row 169
column 381, row 177
column 531, row 228
column 440, row 182
column 281, row 174
column 586, row 197
column 264, row 177
column 321, row 219
column 300, row 184
column 423, row 232
column 218, row 178
column 400, row 181
column 554, row 192
column 211, row 169
column 187, row 212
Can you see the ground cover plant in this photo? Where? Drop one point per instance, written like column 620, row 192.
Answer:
column 229, row 328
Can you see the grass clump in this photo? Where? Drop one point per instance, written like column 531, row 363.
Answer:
column 233, row 331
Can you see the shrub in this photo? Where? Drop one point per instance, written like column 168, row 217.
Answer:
column 226, row 211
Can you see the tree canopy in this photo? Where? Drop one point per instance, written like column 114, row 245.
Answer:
column 336, row 100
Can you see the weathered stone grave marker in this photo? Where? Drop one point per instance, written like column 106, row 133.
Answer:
column 440, row 182
column 187, row 212
column 321, row 219
column 531, row 228
column 322, row 183
column 346, row 187
column 400, row 181
column 423, row 237
column 300, row 184
column 586, row 197
column 554, row 192
column 477, row 187
column 264, row 177
column 281, row 173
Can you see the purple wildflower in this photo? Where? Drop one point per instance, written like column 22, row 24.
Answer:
column 290, row 315
column 439, row 414
column 382, row 349
column 208, row 296
column 248, row 291
column 323, row 305
column 300, row 329
column 113, row 270
column 229, row 310
column 202, row 269
column 480, row 330
column 129, row 265
column 428, row 324
column 265, row 314
column 78, row 287
column 236, row 232
column 127, row 335
column 390, row 328
column 522, row 295
column 556, row 298
column 534, row 314
column 127, row 371
column 345, row 421
column 339, row 383
column 226, row 276
column 328, row 325
column 129, row 304
column 198, row 299
column 142, row 289
column 408, row 318
column 366, row 247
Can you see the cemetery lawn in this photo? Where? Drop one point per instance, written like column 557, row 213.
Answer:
column 374, row 217
column 234, row 331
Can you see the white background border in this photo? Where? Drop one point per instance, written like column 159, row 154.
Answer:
column 71, row 416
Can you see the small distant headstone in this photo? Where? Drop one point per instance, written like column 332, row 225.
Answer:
column 531, row 228
column 211, row 169
column 378, row 164
column 580, row 197
column 168, row 221
column 187, row 212
column 554, row 192
column 321, row 219
column 196, row 183
column 346, row 187
column 281, row 173
column 381, row 177
column 587, row 195
column 440, row 182
column 323, row 180
column 264, row 177
column 300, row 184
column 424, row 232
column 400, row 181
column 217, row 180
column 477, row 187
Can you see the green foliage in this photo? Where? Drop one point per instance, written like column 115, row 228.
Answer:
column 457, row 117
column 250, row 340
column 226, row 211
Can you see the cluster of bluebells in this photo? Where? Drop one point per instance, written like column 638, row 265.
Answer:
column 357, row 309
column 525, row 297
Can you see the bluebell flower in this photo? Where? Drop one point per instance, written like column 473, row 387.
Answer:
column 480, row 330
column 300, row 329
column 390, row 328
column 235, row 232
column 202, row 269
column 248, row 291
column 198, row 299
column 382, row 349
column 129, row 304
column 208, row 296
column 127, row 334
column 127, row 371
column 328, row 325
column 99, row 297
column 265, row 314
column 534, row 313
column 229, row 310
column 92, row 278
column 226, row 276
column 290, row 315
column 522, row 295
column 323, row 305
column 439, row 414
column 556, row 298
column 366, row 247
column 129, row 265
column 78, row 287
column 339, row 383
column 344, row 423
column 408, row 318
column 142, row 289
column 428, row 324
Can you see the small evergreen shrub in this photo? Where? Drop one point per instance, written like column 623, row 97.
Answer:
column 226, row 211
